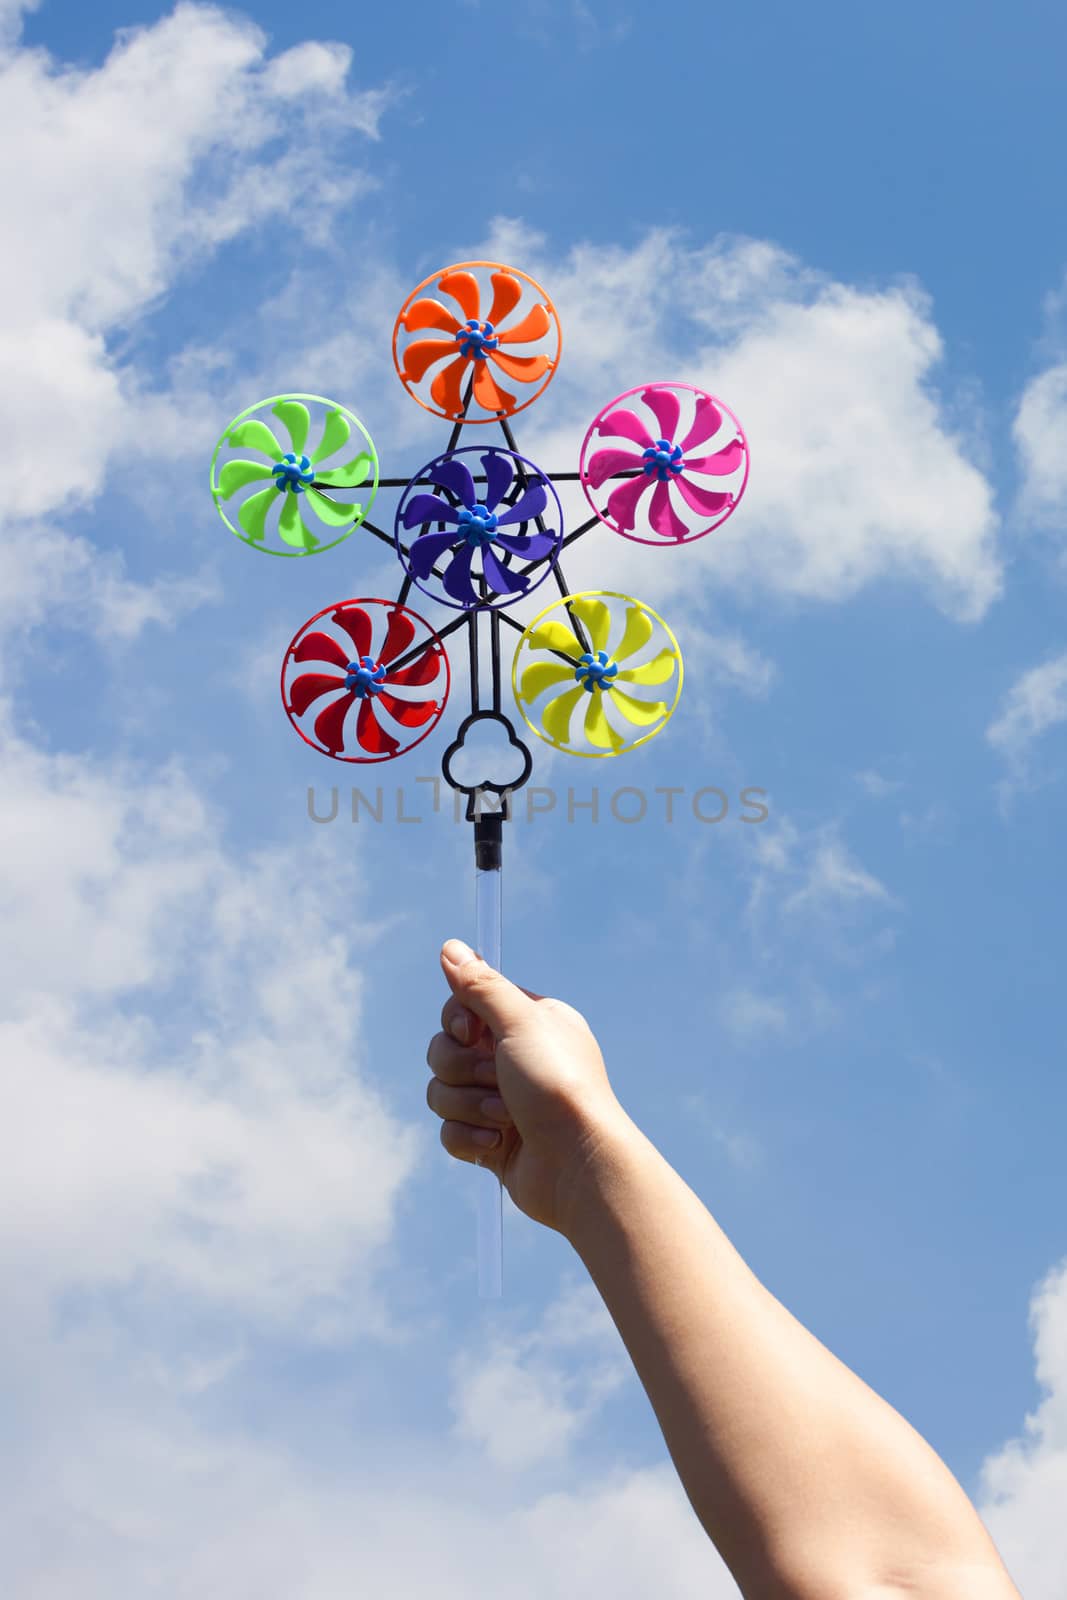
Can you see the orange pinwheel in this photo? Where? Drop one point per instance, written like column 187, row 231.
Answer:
column 468, row 341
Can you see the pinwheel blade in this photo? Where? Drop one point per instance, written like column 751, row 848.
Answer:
column 446, row 390
column 430, row 314
column 332, row 512
column 524, row 368
column 724, row 461
column 320, row 647
column 488, row 392
column 666, row 408
column 527, row 507
column 428, row 508
column 308, row 688
column 533, row 326
column 604, row 464
column 643, row 712
column 255, row 435
column 623, row 424
column 409, row 713
column 662, row 515
column 427, row 548
column 292, row 527
column 371, row 735
column 457, row 578
column 658, row 670
column 531, row 546
column 556, row 636
column 598, row 729
column 462, row 286
column 330, row 724
column 622, row 502
column 556, row 717
column 398, row 636
column 706, row 423
column 350, row 476
column 297, row 419
column 235, row 474
column 356, row 623
column 637, row 633
column 455, row 476
column 499, row 577
column 421, row 354
column 336, row 432
column 498, row 475
column 254, row 512
column 542, row 675
column 596, row 617
column 507, row 292
column 422, row 670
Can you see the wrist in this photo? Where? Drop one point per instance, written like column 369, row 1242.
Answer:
column 606, row 1150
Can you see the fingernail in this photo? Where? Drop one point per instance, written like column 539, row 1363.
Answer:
column 460, row 1026
column 484, row 1136
column 493, row 1106
column 456, row 953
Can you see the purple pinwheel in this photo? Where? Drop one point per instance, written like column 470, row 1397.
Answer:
column 474, row 530
column 680, row 507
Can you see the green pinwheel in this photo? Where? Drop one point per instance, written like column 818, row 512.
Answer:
column 295, row 506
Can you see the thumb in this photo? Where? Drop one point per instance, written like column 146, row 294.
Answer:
column 492, row 997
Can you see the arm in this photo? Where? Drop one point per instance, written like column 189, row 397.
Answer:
column 809, row 1484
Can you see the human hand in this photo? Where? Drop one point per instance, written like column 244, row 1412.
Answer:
column 539, row 1057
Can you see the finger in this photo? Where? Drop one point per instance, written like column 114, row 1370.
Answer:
column 461, row 1023
column 466, row 1144
column 460, row 1063
column 481, row 989
column 476, row 1107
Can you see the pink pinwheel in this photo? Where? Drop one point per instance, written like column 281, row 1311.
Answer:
column 663, row 466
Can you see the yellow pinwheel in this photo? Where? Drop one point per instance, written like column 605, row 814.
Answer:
column 566, row 655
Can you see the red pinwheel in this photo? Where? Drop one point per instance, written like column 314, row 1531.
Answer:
column 466, row 341
column 680, row 508
column 368, row 676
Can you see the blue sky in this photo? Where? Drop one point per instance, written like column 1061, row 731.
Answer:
column 245, row 1339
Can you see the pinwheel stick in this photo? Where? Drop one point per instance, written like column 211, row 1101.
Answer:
column 488, row 850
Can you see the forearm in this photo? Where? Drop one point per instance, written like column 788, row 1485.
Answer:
column 807, row 1482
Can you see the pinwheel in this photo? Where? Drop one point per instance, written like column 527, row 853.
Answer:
column 694, row 471
column 394, row 685
column 570, row 691
column 473, row 349
column 290, row 480
column 595, row 674
column 481, row 531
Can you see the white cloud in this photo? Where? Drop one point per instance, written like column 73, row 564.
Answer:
column 246, row 1164
column 748, row 1014
column 810, row 873
column 876, row 784
column 1024, row 1485
column 1040, row 432
column 541, row 1383
column 1036, row 701
column 127, row 174
column 857, row 471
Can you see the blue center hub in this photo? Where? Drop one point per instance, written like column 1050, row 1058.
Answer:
column 478, row 525
column 596, row 671
column 293, row 472
column 477, row 338
column 663, row 459
column 364, row 676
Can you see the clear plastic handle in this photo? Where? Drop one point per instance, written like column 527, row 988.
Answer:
column 487, row 904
